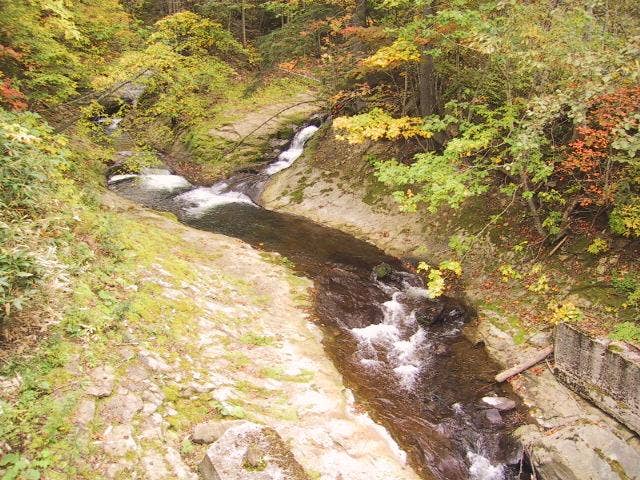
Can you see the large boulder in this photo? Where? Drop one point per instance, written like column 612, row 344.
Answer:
column 568, row 453
column 248, row 451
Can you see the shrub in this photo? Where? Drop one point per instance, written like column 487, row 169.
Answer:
column 32, row 158
column 565, row 312
column 627, row 332
column 31, row 165
column 625, row 218
column 598, row 246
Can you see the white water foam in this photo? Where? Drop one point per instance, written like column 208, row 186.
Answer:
column 112, row 124
column 155, row 171
column 164, row 182
column 403, row 351
column 482, row 469
column 198, row 201
column 154, row 179
column 119, row 178
column 286, row 158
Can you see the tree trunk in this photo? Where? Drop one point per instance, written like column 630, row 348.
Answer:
column 427, row 86
column 361, row 13
column 538, row 357
column 243, row 22
column 533, row 208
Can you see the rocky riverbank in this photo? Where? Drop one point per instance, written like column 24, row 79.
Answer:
column 569, row 438
column 215, row 331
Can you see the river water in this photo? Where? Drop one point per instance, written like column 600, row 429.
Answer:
column 401, row 353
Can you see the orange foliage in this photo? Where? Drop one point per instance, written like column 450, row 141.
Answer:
column 12, row 97
column 9, row 52
column 9, row 95
column 588, row 155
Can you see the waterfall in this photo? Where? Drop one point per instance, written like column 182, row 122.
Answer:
column 286, row 158
column 195, row 202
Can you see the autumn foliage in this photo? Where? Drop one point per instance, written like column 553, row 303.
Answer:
column 12, row 97
column 9, row 95
column 591, row 156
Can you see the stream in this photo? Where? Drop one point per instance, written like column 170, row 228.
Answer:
column 401, row 353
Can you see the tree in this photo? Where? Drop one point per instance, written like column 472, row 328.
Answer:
column 539, row 103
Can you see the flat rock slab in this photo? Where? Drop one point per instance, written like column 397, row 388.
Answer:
column 118, row 441
column 85, row 412
column 102, row 380
column 604, row 372
column 122, row 407
column 265, row 121
column 248, row 451
column 567, row 454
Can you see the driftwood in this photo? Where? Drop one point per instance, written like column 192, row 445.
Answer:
column 538, row 357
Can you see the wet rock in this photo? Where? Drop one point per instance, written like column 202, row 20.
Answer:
column 500, row 403
column 102, row 380
column 118, row 440
column 428, row 312
column 442, row 349
column 382, row 270
column 209, row 432
column 234, row 454
column 494, row 417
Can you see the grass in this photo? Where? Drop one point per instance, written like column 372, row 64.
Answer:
column 277, row 373
column 627, row 331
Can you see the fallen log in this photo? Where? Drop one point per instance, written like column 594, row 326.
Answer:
column 538, row 357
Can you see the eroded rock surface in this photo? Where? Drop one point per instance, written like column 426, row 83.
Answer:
column 221, row 337
column 250, row 451
column 101, row 381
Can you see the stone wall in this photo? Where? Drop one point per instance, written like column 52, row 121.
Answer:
column 604, row 372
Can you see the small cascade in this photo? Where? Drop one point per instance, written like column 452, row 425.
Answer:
column 196, row 201
column 110, row 124
column 398, row 339
column 286, row 158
